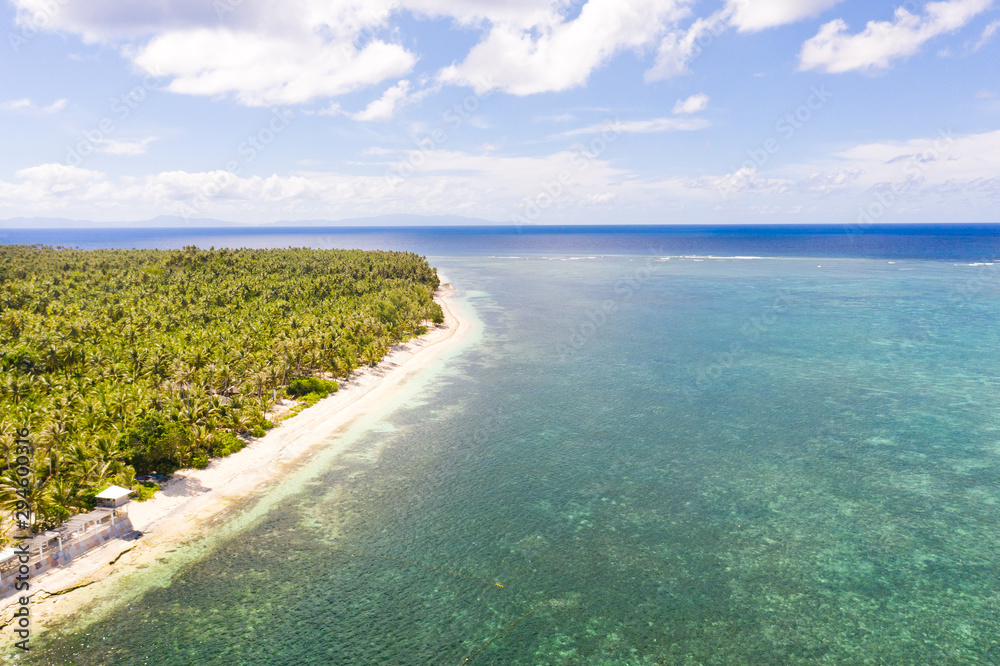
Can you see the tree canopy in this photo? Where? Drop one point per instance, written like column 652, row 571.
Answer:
column 135, row 361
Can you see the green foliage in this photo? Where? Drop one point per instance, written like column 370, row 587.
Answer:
column 306, row 385
column 258, row 431
column 267, row 424
column 155, row 445
column 21, row 360
column 437, row 314
column 225, row 443
column 311, row 399
column 56, row 515
column 125, row 361
column 199, row 460
column 88, row 499
column 145, row 491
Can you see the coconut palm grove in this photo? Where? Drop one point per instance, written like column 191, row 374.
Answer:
column 126, row 363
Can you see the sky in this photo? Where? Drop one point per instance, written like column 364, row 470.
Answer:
column 515, row 112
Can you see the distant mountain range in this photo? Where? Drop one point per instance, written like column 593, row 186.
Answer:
column 174, row 221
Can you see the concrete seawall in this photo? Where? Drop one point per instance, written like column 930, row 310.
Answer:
column 39, row 564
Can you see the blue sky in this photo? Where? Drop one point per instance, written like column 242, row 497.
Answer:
column 525, row 111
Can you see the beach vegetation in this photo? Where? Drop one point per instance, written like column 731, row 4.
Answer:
column 155, row 445
column 145, row 491
column 224, row 443
column 305, row 385
column 125, row 362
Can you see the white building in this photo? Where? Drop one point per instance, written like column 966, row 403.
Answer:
column 113, row 497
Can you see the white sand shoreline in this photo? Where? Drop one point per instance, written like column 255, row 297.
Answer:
column 192, row 498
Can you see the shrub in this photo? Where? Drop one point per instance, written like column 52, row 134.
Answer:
column 267, row 425
column 145, row 490
column 225, row 443
column 88, row 499
column 53, row 517
column 155, row 445
column 307, row 385
column 258, row 431
column 199, row 461
column 437, row 314
column 311, row 399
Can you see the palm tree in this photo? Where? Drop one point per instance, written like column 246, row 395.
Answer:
column 105, row 341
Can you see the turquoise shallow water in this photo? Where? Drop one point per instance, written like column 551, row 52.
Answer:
column 691, row 461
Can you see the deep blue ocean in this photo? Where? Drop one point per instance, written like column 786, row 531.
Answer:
column 676, row 445
column 893, row 241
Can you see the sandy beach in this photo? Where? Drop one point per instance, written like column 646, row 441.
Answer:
column 191, row 499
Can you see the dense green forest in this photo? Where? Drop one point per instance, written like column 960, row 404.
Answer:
column 126, row 362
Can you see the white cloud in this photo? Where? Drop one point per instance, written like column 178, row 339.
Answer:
column 105, row 20
column 332, row 110
column 834, row 50
column 640, row 127
column 692, row 104
column 744, row 180
column 922, row 178
column 385, row 107
column 54, row 182
column 936, row 159
column 753, row 15
column 258, row 51
column 23, row 104
column 262, row 69
column 125, row 146
column 985, row 93
column 483, row 185
column 475, row 13
column 263, row 53
column 26, row 105
column 557, row 118
column 678, row 48
column 553, row 54
column 932, row 171
column 822, row 183
column 987, row 35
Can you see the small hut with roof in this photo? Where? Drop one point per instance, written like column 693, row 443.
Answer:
column 73, row 538
column 113, row 497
